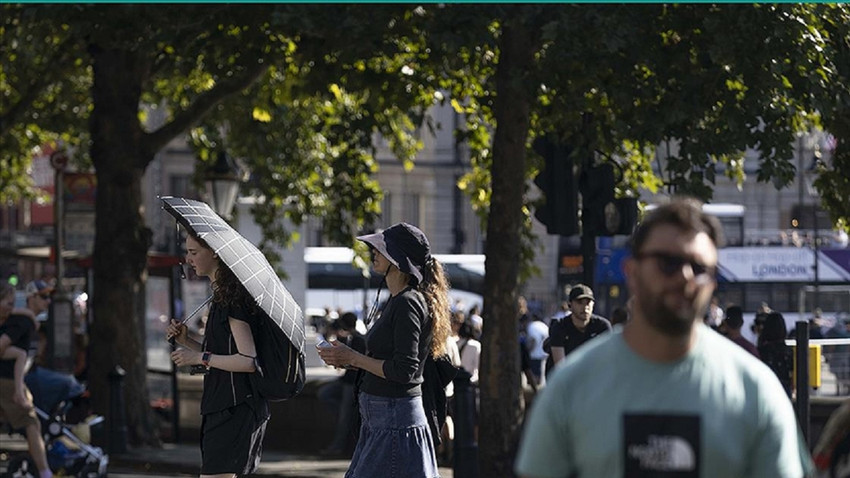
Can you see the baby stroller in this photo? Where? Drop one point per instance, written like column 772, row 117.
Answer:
column 59, row 400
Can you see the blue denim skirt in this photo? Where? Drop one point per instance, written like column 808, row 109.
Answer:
column 395, row 441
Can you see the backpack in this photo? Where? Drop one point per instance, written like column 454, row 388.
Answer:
column 436, row 375
column 280, row 373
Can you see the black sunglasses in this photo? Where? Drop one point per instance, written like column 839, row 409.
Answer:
column 670, row 264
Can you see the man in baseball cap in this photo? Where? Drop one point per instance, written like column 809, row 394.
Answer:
column 38, row 298
column 581, row 291
column 38, row 286
column 578, row 327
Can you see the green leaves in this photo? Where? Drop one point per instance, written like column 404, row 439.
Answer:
column 716, row 80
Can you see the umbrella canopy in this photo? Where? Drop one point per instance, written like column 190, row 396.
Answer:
column 246, row 261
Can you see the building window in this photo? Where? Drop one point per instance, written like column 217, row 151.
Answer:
column 386, row 211
column 181, row 186
column 411, row 209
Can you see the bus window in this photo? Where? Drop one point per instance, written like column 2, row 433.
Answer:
column 334, row 282
column 731, row 217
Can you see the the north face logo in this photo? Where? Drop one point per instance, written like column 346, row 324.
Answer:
column 664, row 453
column 661, row 446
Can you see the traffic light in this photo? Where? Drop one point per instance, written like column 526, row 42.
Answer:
column 597, row 192
column 602, row 214
column 621, row 216
column 556, row 181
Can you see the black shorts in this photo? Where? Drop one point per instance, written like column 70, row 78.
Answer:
column 232, row 439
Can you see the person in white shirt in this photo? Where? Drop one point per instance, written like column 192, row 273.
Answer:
column 537, row 332
column 470, row 350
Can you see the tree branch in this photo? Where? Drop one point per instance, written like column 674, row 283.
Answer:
column 190, row 116
column 38, row 82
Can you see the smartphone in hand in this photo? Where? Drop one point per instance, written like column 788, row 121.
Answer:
column 323, row 344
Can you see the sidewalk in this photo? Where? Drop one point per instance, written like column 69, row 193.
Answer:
column 185, row 459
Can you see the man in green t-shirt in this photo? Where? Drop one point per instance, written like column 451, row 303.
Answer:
column 668, row 396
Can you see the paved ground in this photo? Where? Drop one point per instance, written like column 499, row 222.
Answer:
column 185, row 459
column 172, row 460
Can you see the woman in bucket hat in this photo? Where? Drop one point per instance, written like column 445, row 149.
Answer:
column 395, row 440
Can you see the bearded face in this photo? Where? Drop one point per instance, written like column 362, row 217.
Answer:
column 672, row 279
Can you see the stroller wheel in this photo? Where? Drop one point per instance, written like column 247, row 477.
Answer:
column 21, row 466
column 89, row 470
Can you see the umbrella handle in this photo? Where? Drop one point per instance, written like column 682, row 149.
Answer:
column 172, row 340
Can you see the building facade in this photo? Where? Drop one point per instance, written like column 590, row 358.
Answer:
column 428, row 196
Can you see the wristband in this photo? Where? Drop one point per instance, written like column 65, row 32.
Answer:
column 205, row 359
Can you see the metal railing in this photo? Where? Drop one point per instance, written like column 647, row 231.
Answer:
column 833, row 375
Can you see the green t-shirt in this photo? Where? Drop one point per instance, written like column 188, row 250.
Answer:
column 717, row 412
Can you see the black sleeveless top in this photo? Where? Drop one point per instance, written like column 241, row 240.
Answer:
column 223, row 389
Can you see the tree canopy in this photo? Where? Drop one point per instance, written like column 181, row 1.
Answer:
column 299, row 91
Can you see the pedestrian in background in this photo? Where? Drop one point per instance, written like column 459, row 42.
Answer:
column 715, row 314
column 758, row 321
column 470, row 360
column 17, row 330
column 524, row 350
column 395, row 438
column 339, row 393
column 234, row 418
column 671, row 397
column 477, row 321
column 470, row 350
column 733, row 323
column 580, row 326
column 619, row 317
column 445, row 445
column 536, row 333
column 774, row 352
column 38, row 298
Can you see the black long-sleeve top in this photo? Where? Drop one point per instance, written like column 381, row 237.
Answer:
column 401, row 337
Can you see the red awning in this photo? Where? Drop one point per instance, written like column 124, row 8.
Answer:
column 156, row 260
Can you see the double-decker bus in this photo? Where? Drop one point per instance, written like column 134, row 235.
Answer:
column 749, row 275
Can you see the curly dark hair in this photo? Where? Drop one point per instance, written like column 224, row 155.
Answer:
column 228, row 290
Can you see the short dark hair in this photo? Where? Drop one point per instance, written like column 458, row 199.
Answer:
column 467, row 330
column 735, row 316
column 348, row 321
column 619, row 316
column 683, row 212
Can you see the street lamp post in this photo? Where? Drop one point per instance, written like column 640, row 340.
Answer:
column 221, row 181
column 61, row 311
column 222, row 184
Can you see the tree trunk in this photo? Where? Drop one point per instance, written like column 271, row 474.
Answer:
column 121, row 241
column 502, row 405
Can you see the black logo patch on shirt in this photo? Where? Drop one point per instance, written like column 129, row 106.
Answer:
column 661, row 446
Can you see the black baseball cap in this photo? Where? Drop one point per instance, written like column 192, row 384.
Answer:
column 581, row 291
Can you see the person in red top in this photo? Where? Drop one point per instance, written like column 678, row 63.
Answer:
column 734, row 321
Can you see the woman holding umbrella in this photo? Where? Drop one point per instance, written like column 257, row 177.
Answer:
column 234, row 418
column 395, row 440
